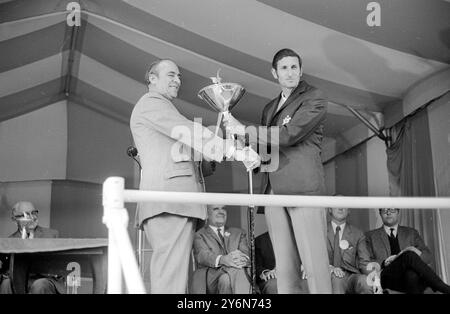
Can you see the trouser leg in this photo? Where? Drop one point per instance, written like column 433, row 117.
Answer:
column 171, row 238
column 309, row 230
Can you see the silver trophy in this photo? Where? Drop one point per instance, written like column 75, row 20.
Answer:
column 222, row 97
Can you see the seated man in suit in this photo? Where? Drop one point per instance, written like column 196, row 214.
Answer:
column 266, row 273
column 403, row 256
column 26, row 218
column 348, row 255
column 266, row 276
column 222, row 256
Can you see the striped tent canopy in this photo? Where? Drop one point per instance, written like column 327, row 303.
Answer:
column 101, row 63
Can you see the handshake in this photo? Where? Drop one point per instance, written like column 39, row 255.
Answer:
column 236, row 149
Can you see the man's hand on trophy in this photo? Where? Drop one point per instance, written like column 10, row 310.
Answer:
column 233, row 126
column 249, row 157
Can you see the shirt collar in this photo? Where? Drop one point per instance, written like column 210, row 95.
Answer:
column 215, row 229
column 334, row 225
column 388, row 229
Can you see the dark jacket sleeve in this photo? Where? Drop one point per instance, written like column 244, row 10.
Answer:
column 370, row 250
column 259, row 257
column 363, row 255
column 420, row 244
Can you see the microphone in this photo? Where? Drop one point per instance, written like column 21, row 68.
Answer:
column 132, row 151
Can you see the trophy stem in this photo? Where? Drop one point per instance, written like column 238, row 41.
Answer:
column 219, row 119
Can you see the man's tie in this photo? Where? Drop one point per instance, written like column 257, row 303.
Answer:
column 219, row 232
column 392, row 233
column 336, row 250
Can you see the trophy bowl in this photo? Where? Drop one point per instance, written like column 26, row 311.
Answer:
column 222, row 97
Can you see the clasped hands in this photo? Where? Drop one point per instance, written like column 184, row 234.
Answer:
column 238, row 150
column 235, row 259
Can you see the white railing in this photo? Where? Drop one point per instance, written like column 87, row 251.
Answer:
column 120, row 253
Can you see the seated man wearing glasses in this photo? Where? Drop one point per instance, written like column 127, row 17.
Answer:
column 403, row 256
column 26, row 218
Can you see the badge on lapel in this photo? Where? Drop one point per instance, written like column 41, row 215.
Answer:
column 286, row 119
column 344, row 244
column 227, row 234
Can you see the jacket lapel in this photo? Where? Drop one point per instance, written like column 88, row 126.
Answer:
column 214, row 236
column 347, row 235
column 401, row 236
column 384, row 239
column 330, row 235
column 272, row 110
column 293, row 96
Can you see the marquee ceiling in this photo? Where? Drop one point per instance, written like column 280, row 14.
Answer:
column 101, row 64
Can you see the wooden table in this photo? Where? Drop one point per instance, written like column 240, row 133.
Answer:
column 51, row 256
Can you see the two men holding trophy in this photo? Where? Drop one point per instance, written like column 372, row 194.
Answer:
column 157, row 127
column 297, row 115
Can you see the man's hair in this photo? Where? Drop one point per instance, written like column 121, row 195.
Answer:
column 153, row 68
column 285, row 52
column 381, row 209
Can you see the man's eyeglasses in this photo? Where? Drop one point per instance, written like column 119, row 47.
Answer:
column 26, row 214
column 389, row 210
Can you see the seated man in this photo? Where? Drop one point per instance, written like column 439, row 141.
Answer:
column 221, row 255
column 403, row 256
column 348, row 255
column 26, row 218
column 266, row 276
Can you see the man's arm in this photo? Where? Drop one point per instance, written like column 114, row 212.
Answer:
column 163, row 117
column 420, row 245
column 203, row 255
column 363, row 255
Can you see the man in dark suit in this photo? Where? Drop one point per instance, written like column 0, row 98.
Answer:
column 348, row 255
column 295, row 118
column 266, row 272
column 403, row 256
column 26, row 217
column 266, row 276
column 222, row 257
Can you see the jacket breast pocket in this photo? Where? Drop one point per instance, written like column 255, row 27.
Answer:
column 181, row 169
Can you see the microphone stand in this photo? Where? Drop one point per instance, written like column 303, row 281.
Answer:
column 133, row 152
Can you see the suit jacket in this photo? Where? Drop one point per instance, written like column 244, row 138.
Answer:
column 167, row 152
column 356, row 257
column 379, row 248
column 300, row 169
column 41, row 232
column 264, row 255
column 207, row 246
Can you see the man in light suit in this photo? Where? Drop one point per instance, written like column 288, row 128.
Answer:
column 349, row 257
column 29, row 229
column 171, row 148
column 403, row 256
column 222, row 256
column 298, row 234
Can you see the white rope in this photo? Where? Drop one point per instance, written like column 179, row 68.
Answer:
column 116, row 219
column 286, row 200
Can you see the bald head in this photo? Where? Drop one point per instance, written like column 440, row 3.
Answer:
column 23, row 207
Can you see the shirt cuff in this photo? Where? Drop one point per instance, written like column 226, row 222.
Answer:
column 217, row 261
